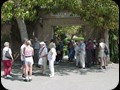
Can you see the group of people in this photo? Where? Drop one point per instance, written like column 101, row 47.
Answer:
column 32, row 52
column 88, row 53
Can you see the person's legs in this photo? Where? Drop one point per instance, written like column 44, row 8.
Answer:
column 51, row 67
column 57, row 58
column 70, row 55
column 89, row 58
column 104, row 63
column 36, row 56
column 9, row 63
column 101, row 62
column 44, row 67
column 23, row 68
column 30, row 71
column 77, row 60
column 26, row 71
column 5, row 67
column 61, row 55
column 82, row 60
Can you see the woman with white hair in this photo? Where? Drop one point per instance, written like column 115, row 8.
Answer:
column 7, row 62
column 51, row 58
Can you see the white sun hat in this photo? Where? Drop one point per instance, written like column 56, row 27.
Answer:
column 42, row 42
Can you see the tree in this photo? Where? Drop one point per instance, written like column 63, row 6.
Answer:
column 66, row 30
column 20, row 10
column 101, row 14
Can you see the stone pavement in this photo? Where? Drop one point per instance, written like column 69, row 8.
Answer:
column 67, row 77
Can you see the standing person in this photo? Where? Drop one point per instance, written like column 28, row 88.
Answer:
column 94, row 52
column 36, row 47
column 71, row 51
column 22, row 57
column 61, row 50
column 7, row 63
column 101, row 54
column 28, row 54
column 77, row 54
column 58, row 50
column 51, row 58
column 51, row 43
column 89, row 52
column 43, row 54
column 106, row 55
column 82, row 53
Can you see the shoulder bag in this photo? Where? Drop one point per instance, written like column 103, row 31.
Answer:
column 7, row 55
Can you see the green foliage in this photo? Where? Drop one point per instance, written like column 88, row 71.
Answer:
column 67, row 30
column 101, row 13
column 114, row 48
column 6, row 11
column 18, row 8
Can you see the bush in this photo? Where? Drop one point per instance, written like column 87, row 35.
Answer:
column 65, row 50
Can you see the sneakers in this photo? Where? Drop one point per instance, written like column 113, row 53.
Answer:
column 26, row 80
column 29, row 79
column 51, row 75
column 23, row 75
column 7, row 76
column 103, row 67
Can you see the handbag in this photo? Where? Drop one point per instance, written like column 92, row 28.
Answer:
column 7, row 55
column 40, row 61
column 106, row 50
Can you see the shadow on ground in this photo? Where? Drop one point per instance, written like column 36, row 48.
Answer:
column 64, row 68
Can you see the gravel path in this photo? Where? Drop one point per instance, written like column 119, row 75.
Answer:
column 67, row 77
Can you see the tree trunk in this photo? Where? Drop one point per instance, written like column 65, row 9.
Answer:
column 22, row 28
column 106, row 37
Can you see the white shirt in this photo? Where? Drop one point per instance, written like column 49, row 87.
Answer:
column 76, row 49
column 21, row 51
column 52, row 54
column 44, row 51
column 4, row 51
column 102, row 45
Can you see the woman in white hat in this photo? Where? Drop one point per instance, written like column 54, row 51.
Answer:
column 51, row 58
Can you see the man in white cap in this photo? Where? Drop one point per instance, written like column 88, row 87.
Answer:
column 43, row 54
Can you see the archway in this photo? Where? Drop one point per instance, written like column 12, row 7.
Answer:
column 46, row 32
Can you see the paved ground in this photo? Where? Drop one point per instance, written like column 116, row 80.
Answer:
column 67, row 77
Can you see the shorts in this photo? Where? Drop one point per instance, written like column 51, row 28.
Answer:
column 23, row 62
column 29, row 60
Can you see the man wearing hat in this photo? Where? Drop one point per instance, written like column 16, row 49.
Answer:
column 43, row 54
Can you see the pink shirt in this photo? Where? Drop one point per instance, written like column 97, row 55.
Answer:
column 28, row 51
